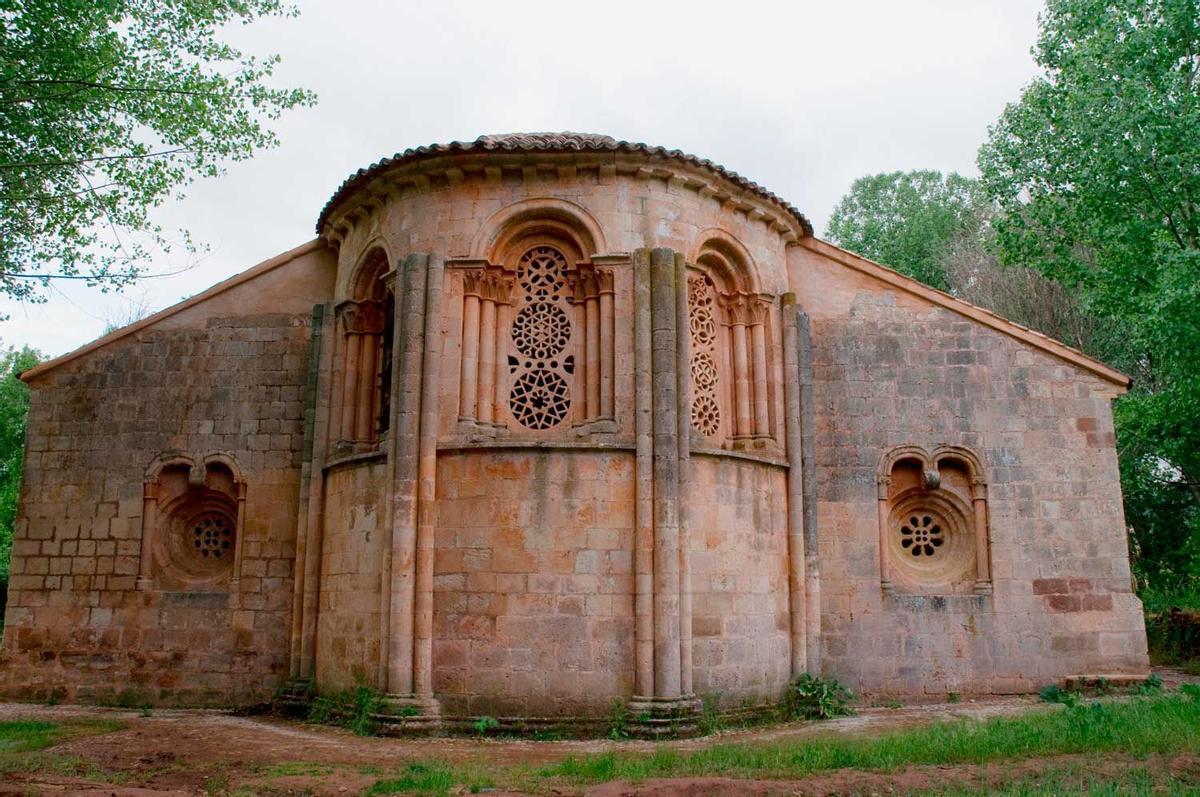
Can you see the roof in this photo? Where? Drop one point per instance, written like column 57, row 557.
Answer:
column 550, row 143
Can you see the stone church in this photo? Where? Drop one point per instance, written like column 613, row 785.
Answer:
column 540, row 422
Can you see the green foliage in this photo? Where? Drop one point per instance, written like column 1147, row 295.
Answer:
column 1096, row 173
column 353, row 708
column 1056, row 694
column 1166, row 724
column 1174, row 637
column 906, row 220
column 14, row 407
column 1151, row 686
column 618, row 720
column 810, row 697
column 433, row 778
column 485, row 725
column 108, row 108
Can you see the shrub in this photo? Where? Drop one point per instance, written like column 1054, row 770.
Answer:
column 810, row 697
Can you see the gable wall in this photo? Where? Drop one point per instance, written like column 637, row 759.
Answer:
column 892, row 369
column 220, row 376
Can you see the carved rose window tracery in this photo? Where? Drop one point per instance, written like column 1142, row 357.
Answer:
column 702, row 325
column 541, row 369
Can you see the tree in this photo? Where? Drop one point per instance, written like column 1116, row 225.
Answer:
column 906, row 220
column 1096, row 173
column 107, row 108
column 14, row 407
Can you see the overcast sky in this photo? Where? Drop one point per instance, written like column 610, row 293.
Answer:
column 801, row 97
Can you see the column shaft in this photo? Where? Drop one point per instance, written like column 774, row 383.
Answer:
column 487, row 361
column 741, row 381
column 365, row 414
column 427, row 482
column 592, row 316
column 500, row 380
column 643, row 483
column 149, row 525
column 795, row 486
column 762, row 419
column 470, row 357
column 350, row 385
column 607, row 352
column 666, row 474
column 683, row 420
column 400, row 589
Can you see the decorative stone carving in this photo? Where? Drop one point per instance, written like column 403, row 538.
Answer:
column 540, row 397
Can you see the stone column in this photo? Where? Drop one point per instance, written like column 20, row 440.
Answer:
column 350, row 381
column 743, row 425
column 758, row 345
column 669, row 709
column 812, row 562
column 427, row 483
column 149, row 527
column 607, row 343
column 643, row 481
column 795, row 485
column 983, row 574
column 470, row 346
column 663, row 319
column 592, row 318
column 399, row 582
column 504, row 287
column 883, row 487
column 487, row 355
column 683, row 382
column 239, row 536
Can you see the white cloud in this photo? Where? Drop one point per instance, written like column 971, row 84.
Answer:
column 801, row 97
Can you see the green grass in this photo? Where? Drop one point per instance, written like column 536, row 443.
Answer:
column 434, row 779
column 1080, row 781
column 23, row 744
column 1165, row 724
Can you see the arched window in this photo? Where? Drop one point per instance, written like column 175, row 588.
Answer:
column 538, row 331
column 192, row 519
column 365, row 323
column 933, row 535
column 732, row 389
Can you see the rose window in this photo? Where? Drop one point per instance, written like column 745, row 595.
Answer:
column 702, row 329
column 543, row 273
column 211, row 536
column 540, row 396
column 921, row 535
column 539, row 399
column 541, row 330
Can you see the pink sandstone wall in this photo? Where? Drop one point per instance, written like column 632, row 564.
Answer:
column 739, row 580
column 891, row 369
column 533, row 584
column 349, row 621
column 204, row 381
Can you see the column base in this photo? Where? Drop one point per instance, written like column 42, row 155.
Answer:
column 294, row 697
column 983, row 588
column 659, row 717
column 409, row 715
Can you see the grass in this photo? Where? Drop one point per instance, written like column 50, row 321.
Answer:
column 23, row 744
column 1166, row 724
column 1081, row 781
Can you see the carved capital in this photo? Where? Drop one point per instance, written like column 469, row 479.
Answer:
column 362, row 318
column 604, row 278
column 739, row 308
column 496, row 285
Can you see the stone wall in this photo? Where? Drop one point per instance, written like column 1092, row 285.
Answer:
column 891, row 369
column 348, row 625
column 533, row 584
column 216, row 377
column 739, row 562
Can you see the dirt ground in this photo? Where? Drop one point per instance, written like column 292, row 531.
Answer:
column 199, row 752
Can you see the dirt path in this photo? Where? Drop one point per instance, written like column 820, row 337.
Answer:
column 172, row 752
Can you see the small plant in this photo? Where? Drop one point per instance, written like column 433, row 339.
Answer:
column 710, row 718
column 1190, row 690
column 618, row 720
column 485, row 725
column 953, row 697
column 810, row 697
column 1151, row 686
column 1103, row 686
column 1056, row 694
column 354, row 709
